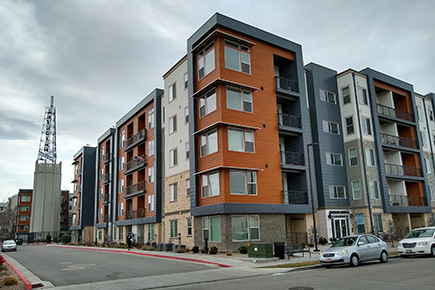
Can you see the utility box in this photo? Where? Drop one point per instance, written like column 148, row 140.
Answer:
column 260, row 251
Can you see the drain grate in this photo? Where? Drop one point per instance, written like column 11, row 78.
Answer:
column 301, row 288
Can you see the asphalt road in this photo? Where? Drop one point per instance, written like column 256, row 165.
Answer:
column 65, row 266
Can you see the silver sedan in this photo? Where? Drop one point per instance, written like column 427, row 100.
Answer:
column 353, row 250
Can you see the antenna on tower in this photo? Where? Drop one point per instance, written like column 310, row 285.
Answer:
column 47, row 145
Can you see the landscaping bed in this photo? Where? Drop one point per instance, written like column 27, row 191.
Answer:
column 6, row 273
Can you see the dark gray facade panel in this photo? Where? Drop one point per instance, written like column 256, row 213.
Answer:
column 88, row 187
column 240, row 208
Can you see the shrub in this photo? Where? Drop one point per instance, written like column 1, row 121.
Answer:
column 203, row 250
column 195, row 250
column 323, row 240
column 180, row 250
column 243, row 250
column 8, row 281
column 213, row 250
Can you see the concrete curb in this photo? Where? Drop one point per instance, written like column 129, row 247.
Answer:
column 28, row 284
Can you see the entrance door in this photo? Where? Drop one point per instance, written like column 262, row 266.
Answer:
column 340, row 227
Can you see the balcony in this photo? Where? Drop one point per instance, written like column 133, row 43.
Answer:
column 106, row 178
column 135, row 140
column 105, row 198
column 107, row 157
column 292, row 161
column 134, row 214
column 392, row 140
column 289, row 123
column 404, row 200
column 287, row 87
column 134, row 190
column 399, row 170
column 295, row 197
column 394, row 113
column 138, row 162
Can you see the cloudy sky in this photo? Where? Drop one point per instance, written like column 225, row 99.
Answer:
column 99, row 58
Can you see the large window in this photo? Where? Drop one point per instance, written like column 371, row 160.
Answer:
column 172, row 124
column 328, row 97
column 370, row 157
column 151, row 148
column 346, row 95
column 25, row 198
column 238, row 99
column 349, row 125
column 207, row 103
column 172, row 92
column 151, row 232
column 367, row 127
column 24, row 217
column 245, row 228
column 151, row 202
column 377, row 223
column 211, row 229
column 353, row 157
column 120, row 209
column 151, row 174
column 334, row 159
column 373, row 189
column 337, row 192
column 173, row 195
column 331, row 127
column 121, row 139
column 209, row 143
column 173, row 228
column 356, row 189
column 189, row 227
column 206, row 61
column 173, row 157
column 25, row 208
column 359, row 218
column 121, row 186
column 240, row 140
column 243, row 182
column 237, row 57
column 363, row 96
column 210, row 184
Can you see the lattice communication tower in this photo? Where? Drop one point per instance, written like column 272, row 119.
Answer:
column 47, row 145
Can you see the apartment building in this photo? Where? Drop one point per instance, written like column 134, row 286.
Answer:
column 177, row 220
column 83, row 196
column 104, row 186
column 138, row 171
column 249, row 131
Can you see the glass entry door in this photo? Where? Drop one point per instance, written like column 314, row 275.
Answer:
column 340, row 227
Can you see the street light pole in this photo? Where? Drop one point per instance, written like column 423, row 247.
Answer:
column 312, row 195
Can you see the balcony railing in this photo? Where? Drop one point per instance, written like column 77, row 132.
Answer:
column 394, row 113
column 137, row 162
column 106, row 178
column 133, row 140
column 398, row 141
column 286, row 85
column 134, row 214
column 107, row 157
column 295, row 197
column 135, row 189
column 394, row 169
column 404, row 200
column 292, row 158
column 105, row 198
column 289, row 121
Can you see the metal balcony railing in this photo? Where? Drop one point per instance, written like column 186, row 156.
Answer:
column 394, row 113
column 106, row 157
column 404, row 200
column 295, row 197
column 130, row 142
column 394, row 169
column 137, row 162
column 292, row 158
column 289, row 121
column 134, row 189
column 106, row 178
column 398, row 141
column 286, row 84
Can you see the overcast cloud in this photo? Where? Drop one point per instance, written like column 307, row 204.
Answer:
column 100, row 58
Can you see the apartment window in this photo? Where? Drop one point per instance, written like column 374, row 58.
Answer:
column 25, row 208
column 121, row 139
column 328, row 97
column 121, row 234
column 238, row 99
column 211, row 229
column 424, row 138
column 100, row 234
column 245, row 228
column 25, row 198
column 373, row 189
column 237, row 57
column 428, row 165
column 100, row 214
column 172, row 124
column 24, row 217
column 173, row 157
column 74, row 218
column 24, row 227
column 370, row 157
column 101, row 178
column 334, row 159
column 151, row 174
column 151, row 202
column 121, row 186
column 186, row 115
column 209, row 143
column 151, row 119
column 189, row 226
column 206, row 61
column 363, row 96
column 207, row 103
column 101, row 194
column 187, row 146
column 243, row 182
column 346, row 95
column 240, row 140
column 367, row 127
column 74, row 201
column 172, row 92
column 120, row 209
column 173, row 192
column 356, row 189
column 337, row 192
column 151, row 232
column 186, row 78
column 360, row 228
column 419, row 115
column 210, row 184
column 353, row 157
column 432, row 193
column 430, row 114
column 151, row 148
column 76, row 167
column 349, row 126
column 188, row 185
column 331, row 127
column 121, row 163
column 377, row 223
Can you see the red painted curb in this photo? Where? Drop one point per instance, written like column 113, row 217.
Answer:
column 145, row 254
column 28, row 284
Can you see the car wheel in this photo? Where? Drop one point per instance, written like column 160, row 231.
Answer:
column 354, row 260
column 384, row 257
column 432, row 251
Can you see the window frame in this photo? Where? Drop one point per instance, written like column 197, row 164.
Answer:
column 325, row 96
column 334, row 192
column 249, row 228
column 172, row 124
column 328, row 127
column 367, row 126
column 247, row 182
column 209, row 228
column 206, row 177
column 206, row 137
column 374, row 189
column 173, row 157
column 363, row 96
column 173, row 229
column 207, row 103
column 353, row 157
column 203, row 57
column 241, row 50
column 244, row 140
column 173, row 192
column 243, row 101
column 331, row 159
column 349, row 126
column 356, row 190
column 346, row 98
column 370, row 157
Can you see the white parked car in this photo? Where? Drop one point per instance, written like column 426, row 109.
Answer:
column 9, row 245
column 419, row 241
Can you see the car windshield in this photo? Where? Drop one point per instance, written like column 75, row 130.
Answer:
column 345, row 242
column 422, row 233
column 8, row 242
